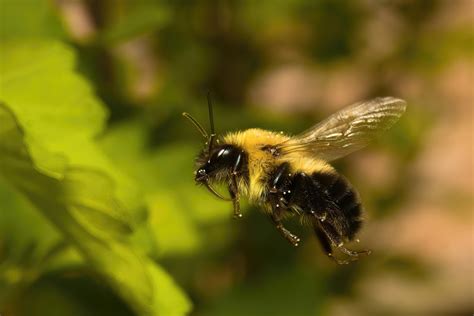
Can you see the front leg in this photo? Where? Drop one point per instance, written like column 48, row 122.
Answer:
column 234, row 194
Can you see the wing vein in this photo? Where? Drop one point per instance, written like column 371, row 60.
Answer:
column 348, row 130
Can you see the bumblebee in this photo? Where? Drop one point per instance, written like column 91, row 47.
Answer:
column 290, row 175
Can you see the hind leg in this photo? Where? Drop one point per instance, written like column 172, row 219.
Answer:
column 326, row 245
column 353, row 253
column 328, row 234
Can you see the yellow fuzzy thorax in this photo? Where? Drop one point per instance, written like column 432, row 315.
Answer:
column 262, row 162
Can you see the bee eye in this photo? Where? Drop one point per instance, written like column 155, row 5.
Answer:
column 201, row 172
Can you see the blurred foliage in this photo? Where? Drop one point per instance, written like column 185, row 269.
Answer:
column 79, row 201
column 99, row 214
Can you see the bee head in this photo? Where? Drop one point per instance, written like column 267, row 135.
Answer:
column 215, row 160
column 217, row 164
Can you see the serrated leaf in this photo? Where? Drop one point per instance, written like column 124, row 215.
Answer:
column 57, row 109
column 92, row 206
column 47, row 153
column 136, row 278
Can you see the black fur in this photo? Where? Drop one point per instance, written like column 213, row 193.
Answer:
column 327, row 200
column 327, row 196
column 339, row 192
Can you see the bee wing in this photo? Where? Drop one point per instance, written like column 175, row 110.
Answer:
column 347, row 130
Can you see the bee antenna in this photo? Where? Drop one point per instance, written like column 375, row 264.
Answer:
column 212, row 137
column 196, row 124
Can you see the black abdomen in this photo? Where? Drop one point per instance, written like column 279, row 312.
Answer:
column 342, row 202
column 325, row 197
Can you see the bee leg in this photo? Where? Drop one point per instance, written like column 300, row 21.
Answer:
column 339, row 243
column 335, row 239
column 326, row 245
column 277, row 198
column 234, row 194
column 276, row 219
column 353, row 253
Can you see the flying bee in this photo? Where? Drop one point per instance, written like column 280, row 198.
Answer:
column 290, row 175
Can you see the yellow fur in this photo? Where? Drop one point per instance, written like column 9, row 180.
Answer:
column 262, row 162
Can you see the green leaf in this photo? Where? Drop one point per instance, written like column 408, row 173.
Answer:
column 29, row 245
column 48, row 154
column 136, row 278
column 57, row 109
column 38, row 83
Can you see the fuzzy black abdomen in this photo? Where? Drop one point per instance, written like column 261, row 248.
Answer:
column 324, row 197
column 342, row 201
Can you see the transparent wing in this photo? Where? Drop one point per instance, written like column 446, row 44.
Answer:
column 347, row 130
